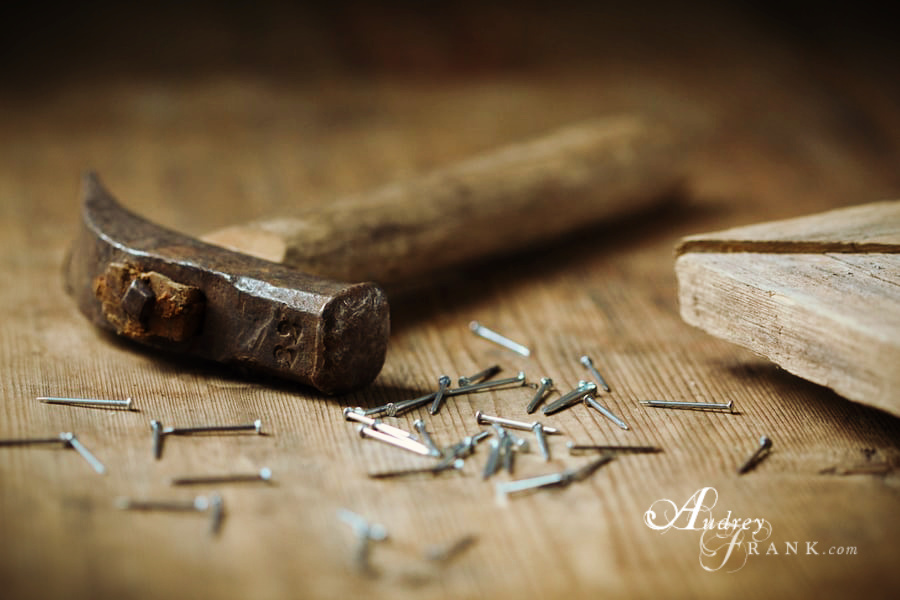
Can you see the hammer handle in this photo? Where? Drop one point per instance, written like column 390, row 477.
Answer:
column 494, row 203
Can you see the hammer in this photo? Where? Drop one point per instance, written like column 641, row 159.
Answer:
column 271, row 297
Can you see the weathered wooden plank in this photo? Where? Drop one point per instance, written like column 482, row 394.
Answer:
column 832, row 319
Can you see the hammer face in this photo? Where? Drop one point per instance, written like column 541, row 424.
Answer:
column 173, row 292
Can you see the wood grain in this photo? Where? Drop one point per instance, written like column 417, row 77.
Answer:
column 235, row 117
column 829, row 318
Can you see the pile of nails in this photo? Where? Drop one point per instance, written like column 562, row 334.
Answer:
column 505, row 445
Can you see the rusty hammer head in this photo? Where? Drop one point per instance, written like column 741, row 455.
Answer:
column 175, row 293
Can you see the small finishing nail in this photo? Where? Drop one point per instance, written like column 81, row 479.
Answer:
column 406, row 444
column 264, row 474
column 562, row 478
column 584, row 388
column 485, row 385
column 729, row 406
column 68, row 440
column 365, row 533
column 450, row 551
column 589, row 364
column 32, row 441
column 159, row 432
column 198, row 504
column 508, row 454
column 351, row 415
column 765, row 445
column 488, row 334
column 493, row 461
column 546, row 385
column 542, row 440
column 576, row 448
column 255, row 426
column 72, row 441
column 480, row 376
column 443, row 383
column 216, row 513
column 213, row 504
column 454, row 465
column 126, row 404
column 156, row 428
column 433, row 448
column 483, row 419
column 395, row 409
column 592, row 402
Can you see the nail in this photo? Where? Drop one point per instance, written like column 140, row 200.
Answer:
column 406, row 444
column 493, row 461
column 32, row 441
column 199, row 504
column 589, row 364
column 450, row 551
column 542, row 440
column 765, row 444
column 729, row 406
column 563, row 478
column 573, row 397
column 483, row 419
column 126, row 404
column 520, row 485
column 479, row 376
column 395, row 409
column 71, row 440
column 519, row 379
column 255, row 426
column 365, row 533
column 264, row 474
column 455, row 464
column 592, row 402
column 217, row 513
column 67, row 440
column 546, row 384
column 507, row 454
column 443, row 383
column 352, row 415
column 574, row 448
column 156, row 428
column 488, row 334
column 433, row 448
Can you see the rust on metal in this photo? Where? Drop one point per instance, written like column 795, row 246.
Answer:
column 178, row 294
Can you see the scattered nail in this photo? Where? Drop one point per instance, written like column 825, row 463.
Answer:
column 489, row 334
column 546, row 384
column 589, row 364
column 765, row 445
column 126, row 404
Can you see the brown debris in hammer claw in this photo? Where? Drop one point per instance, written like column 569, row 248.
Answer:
column 143, row 305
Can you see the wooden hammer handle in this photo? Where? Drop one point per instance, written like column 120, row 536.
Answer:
column 496, row 202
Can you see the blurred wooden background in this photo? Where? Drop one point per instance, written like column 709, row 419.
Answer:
column 200, row 117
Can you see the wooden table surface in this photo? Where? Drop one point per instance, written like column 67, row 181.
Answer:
column 205, row 118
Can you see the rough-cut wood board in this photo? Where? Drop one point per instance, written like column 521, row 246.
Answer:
column 198, row 151
column 833, row 319
column 818, row 295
